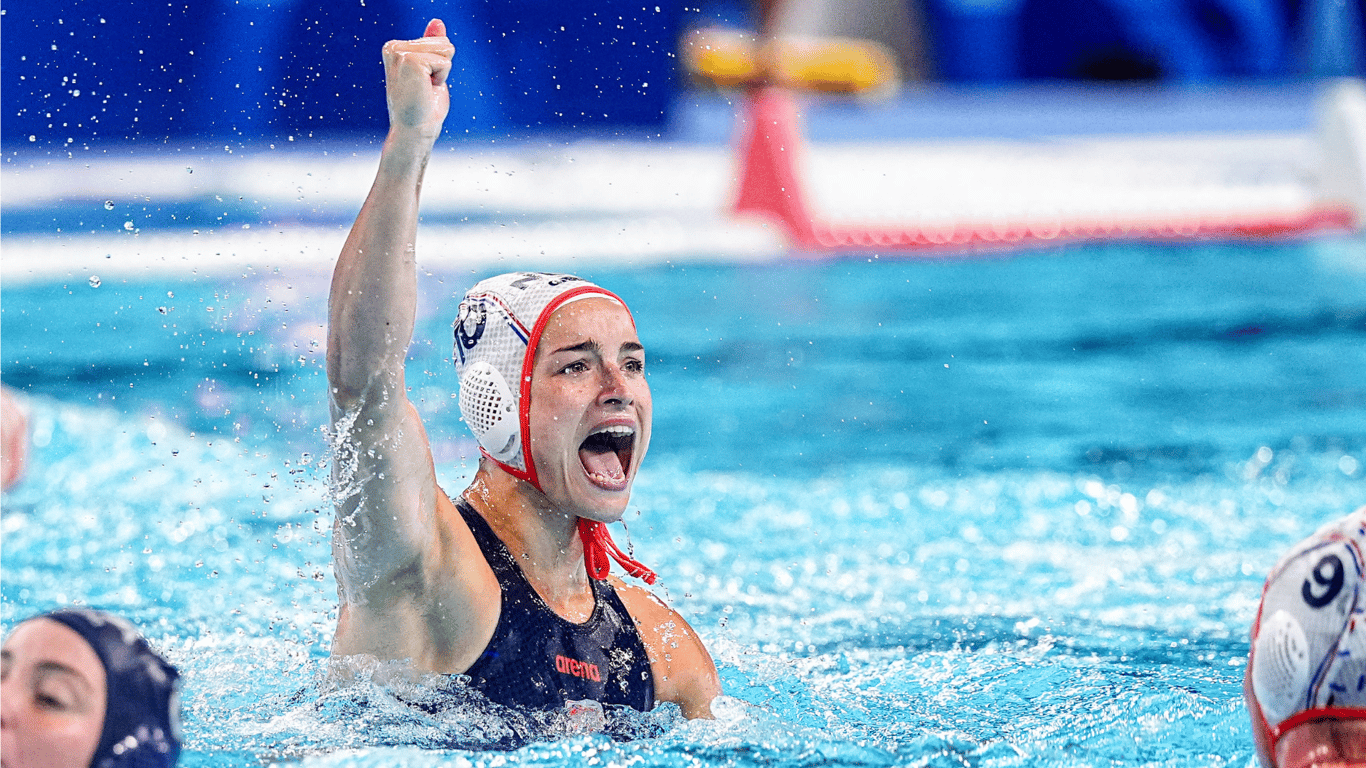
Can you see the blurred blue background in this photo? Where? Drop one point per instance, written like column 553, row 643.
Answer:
column 1177, row 40
column 83, row 71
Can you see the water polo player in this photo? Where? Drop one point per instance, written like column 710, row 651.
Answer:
column 82, row 688
column 1306, row 676
column 509, row 583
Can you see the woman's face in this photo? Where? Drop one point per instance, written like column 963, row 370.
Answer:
column 52, row 697
column 590, row 408
column 1323, row 744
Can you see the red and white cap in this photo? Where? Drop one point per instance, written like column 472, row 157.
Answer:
column 1308, row 659
column 497, row 330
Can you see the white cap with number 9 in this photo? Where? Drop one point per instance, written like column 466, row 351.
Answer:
column 1308, row 658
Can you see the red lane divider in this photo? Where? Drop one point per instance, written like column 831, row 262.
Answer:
column 770, row 188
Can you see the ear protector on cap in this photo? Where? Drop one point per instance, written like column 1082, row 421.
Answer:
column 490, row 410
column 1308, row 658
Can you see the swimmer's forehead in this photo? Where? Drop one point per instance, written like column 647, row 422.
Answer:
column 51, row 646
column 593, row 323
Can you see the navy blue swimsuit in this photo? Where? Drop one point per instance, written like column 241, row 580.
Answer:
column 539, row 660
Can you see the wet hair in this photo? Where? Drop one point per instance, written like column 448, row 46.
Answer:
column 142, row 716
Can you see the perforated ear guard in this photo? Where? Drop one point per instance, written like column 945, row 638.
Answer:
column 490, row 410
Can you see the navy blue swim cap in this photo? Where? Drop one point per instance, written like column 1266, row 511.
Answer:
column 142, row 717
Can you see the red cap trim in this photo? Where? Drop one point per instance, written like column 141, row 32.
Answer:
column 1262, row 736
column 529, row 364
column 1310, row 715
column 597, row 542
column 508, row 468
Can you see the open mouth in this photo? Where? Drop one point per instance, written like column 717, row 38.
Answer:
column 606, row 455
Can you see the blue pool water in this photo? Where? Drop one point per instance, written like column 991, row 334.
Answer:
column 962, row 512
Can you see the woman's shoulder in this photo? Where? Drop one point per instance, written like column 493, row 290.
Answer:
column 683, row 669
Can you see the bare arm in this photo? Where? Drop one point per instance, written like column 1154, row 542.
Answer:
column 383, row 469
column 374, row 287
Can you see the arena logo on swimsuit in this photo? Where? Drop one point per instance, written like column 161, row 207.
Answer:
column 577, row 668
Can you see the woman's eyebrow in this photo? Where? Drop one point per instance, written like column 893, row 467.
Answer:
column 596, row 348
column 58, row 668
column 583, row 346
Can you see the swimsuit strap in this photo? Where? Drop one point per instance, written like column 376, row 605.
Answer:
column 517, row 591
column 497, row 554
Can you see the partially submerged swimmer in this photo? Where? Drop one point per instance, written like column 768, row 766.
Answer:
column 1306, row 675
column 507, row 584
column 82, row 688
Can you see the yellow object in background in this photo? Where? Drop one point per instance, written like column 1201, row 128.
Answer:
column 838, row 64
column 730, row 58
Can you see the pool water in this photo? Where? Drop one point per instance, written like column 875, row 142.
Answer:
column 1002, row 511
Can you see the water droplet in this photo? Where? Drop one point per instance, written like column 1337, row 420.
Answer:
column 94, row 281
column 31, row 137
column 109, row 205
column 163, row 310
column 189, row 169
column 128, row 225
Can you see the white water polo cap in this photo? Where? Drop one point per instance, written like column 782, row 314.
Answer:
column 1308, row 659
column 498, row 327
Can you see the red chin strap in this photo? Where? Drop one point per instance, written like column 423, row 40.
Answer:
column 598, row 544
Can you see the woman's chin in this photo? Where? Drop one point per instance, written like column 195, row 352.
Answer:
column 605, row 505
